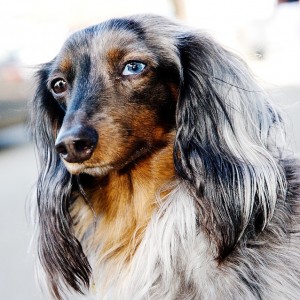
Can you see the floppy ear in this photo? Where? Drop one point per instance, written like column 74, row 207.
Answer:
column 60, row 253
column 225, row 147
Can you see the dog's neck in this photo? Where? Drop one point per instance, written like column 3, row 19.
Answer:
column 125, row 201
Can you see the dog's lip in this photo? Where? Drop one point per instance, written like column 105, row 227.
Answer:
column 100, row 170
column 96, row 170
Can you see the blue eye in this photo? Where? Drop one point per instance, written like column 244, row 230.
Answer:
column 133, row 68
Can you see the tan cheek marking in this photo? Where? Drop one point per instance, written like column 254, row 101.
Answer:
column 111, row 144
column 115, row 143
column 127, row 204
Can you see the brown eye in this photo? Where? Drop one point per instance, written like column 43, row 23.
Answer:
column 59, row 86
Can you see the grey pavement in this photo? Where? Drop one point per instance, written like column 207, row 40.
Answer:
column 17, row 176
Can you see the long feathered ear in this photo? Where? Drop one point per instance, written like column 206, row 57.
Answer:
column 60, row 253
column 226, row 147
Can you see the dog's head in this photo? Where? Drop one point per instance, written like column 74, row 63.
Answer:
column 119, row 91
column 115, row 87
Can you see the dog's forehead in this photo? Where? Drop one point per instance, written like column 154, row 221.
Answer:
column 116, row 39
column 121, row 33
column 133, row 32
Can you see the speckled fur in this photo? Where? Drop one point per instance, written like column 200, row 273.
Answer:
column 189, row 194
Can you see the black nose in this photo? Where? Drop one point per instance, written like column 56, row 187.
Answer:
column 76, row 144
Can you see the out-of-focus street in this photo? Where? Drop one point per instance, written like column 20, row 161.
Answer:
column 17, row 176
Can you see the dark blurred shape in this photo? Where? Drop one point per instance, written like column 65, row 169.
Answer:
column 286, row 1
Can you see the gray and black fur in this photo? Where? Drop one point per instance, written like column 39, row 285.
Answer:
column 228, row 227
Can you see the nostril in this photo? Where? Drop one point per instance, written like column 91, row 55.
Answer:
column 83, row 146
column 61, row 149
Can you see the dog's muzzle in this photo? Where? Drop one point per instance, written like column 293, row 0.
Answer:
column 76, row 144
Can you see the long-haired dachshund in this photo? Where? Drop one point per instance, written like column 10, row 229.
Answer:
column 163, row 170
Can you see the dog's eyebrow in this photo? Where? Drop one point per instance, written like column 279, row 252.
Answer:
column 65, row 64
column 128, row 25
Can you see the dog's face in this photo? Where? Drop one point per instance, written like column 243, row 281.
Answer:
column 118, row 96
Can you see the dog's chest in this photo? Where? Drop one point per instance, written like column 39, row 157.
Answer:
column 169, row 256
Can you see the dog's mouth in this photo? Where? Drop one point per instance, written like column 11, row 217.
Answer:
column 78, row 168
column 98, row 169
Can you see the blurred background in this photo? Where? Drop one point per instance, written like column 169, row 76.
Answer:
column 266, row 33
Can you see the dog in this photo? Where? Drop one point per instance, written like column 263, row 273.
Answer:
column 164, row 171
